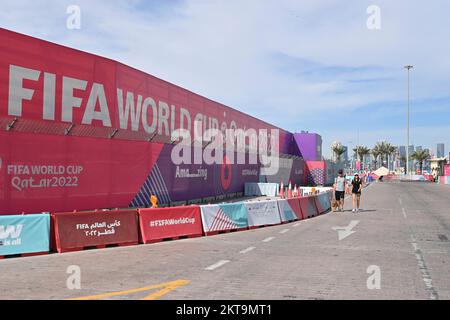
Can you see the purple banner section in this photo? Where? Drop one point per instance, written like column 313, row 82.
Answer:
column 309, row 145
column 192, row 183
column 291, row 170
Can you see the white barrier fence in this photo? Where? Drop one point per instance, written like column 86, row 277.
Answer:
column 307, row 191
column 261, row 189
column 262, row 213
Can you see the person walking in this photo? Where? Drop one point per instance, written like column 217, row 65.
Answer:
column 339, row 189
column 356, row 192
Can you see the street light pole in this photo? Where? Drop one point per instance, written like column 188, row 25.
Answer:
column 408, row 67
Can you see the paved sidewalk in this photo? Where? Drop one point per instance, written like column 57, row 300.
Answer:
column 403, row 232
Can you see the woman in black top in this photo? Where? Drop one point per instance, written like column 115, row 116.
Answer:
column 356, row 192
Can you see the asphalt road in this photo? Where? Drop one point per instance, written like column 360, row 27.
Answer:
column 399, row 249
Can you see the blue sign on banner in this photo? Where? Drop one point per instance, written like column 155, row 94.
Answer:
column 24, row 234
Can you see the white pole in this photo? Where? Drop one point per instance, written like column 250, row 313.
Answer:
column 408, row 67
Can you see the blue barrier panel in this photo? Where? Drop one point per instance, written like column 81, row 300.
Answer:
column 224, row 216
column 323, row 202
column 24, row 234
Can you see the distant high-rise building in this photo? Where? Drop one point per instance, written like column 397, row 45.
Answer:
column 402, row 151
column 345, row 154
column 426, row 163
column 418, row 148
column 440, row 150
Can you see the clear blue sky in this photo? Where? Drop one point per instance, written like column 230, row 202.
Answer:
column 301, row 65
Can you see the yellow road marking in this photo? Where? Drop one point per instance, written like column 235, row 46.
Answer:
column 166, row 288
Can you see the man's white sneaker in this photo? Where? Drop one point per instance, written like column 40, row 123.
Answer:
column 353, row 210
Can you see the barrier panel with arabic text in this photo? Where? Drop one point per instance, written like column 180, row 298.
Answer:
column 76, row 230
column 262, row 213
column 24, row 234
column 157, row 224
column 290, row 209
column 223, row 217
column 308, row 206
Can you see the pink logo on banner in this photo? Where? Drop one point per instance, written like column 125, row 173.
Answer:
column 225, row 173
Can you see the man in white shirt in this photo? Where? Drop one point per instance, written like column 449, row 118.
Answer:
column 339, row 189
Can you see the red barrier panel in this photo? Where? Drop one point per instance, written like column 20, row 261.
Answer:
column 175, row 222
column 308, row 206
column 77, row 230
column 294, row 203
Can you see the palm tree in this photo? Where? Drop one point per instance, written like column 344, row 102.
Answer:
column 361, row 151
column 338, row 150
column 420, row 156
column 376, row 154
column 384, row 149
column 377, row 151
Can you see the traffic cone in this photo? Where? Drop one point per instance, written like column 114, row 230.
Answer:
column 282, row 190
column 295, row 191
column 289, row 191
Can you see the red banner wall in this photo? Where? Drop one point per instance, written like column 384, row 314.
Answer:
column 58, row 173
column 53, row 85
column 75, row 129
column 73, row 231
column 162, row 223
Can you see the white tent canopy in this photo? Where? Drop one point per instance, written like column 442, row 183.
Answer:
column 382, row 171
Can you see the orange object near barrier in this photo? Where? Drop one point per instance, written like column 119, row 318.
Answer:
column 290, row 190
column 77, row 230
column 308, row 206
column 154, row 201
column 282, row 190
column 170, row 223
